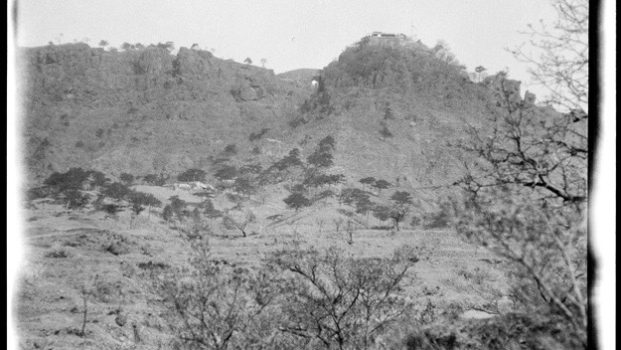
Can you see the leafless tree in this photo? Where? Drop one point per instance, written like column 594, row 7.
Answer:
column 527, row 185
column 211, row 304
column 559, row 54
column 336, row 301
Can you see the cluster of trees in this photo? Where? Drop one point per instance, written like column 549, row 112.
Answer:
column 75, row 188
column 169, row 45
column 399, row 207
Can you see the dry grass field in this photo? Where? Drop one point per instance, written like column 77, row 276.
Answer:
column 81, row 255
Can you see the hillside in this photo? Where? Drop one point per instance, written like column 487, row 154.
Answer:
column 110, row 110
column 136, row 158
column 147, row 111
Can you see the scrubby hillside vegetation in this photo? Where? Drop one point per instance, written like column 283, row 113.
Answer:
column 185, row 201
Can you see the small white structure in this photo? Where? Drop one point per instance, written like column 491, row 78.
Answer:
column 315, row 83
column 192, row 185
column 197, row 185
column 182, row 186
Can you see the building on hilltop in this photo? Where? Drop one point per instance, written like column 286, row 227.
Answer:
column 389, row 39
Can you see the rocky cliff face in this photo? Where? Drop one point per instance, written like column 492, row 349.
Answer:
column 89, row 107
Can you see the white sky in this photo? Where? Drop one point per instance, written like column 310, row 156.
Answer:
column 289, row 34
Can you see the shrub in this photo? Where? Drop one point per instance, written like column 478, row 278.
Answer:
column 178, row 207
column 230, row 149
column 381, row 212
column 227, row 172
column 382, row 184
column 297, row 201
column 98, row 179
column 73, row 178
column 327, row 143
column 167, row 212
column 385, row 132
column 255, row 136
column 416, row 221
column 111, row 209
column 439, row 219
column 401, row 198
column 351, row 196
column 116, row 190
column 336, row 301
column 139, row 200
column 244, row 186
column 317, row 180
column 75, row 199
column 291, row 160
column 367, row 180
column 38, row 192
column 216, row 306
column 321, row 157
column 325, row 194
column 126, row 178
column 250, row 169
column 192, row 175
column 155, row 180
column 210, row 210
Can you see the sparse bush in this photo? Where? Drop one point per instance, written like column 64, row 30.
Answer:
column 231, row 223
column 336, row 301
column 216, row 306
